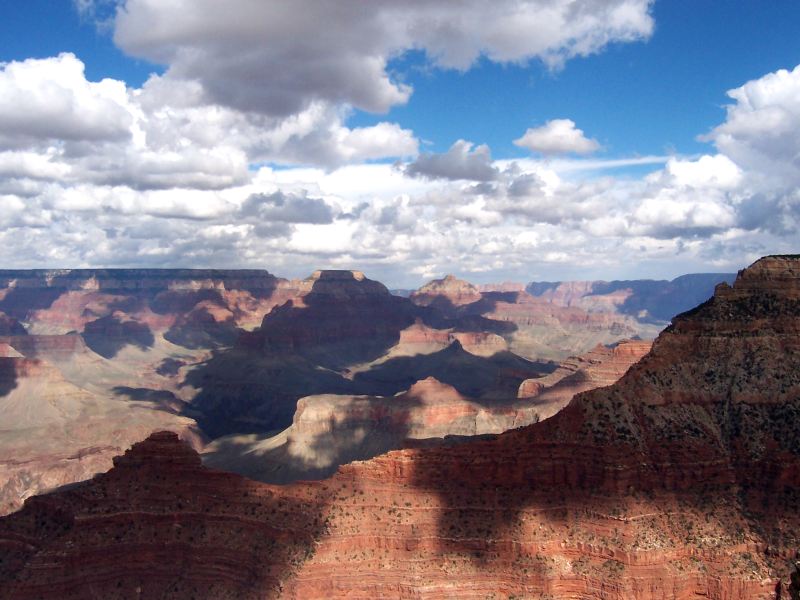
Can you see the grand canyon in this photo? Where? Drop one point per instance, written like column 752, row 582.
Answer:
column 256, row 370
column 404, row 300
column 363, row 444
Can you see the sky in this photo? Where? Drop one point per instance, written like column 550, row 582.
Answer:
column 515, row 140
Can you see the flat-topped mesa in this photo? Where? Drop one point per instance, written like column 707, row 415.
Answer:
column 343, row 284
column 337, row 275
column 457, row 291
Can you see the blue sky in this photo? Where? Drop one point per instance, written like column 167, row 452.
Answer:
column 651, row 97
column 358, row 152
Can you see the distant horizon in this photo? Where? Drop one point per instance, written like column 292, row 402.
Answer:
column 484, row 278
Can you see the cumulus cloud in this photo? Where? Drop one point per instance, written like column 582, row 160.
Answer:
column 558, row 136
column 461, row 161
column 49, row 99
column 275, row 58
column 56, row 125
column 287, row 208
column 760, row 132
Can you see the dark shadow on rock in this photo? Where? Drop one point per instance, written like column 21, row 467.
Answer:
column 199, row 329
column 246, row 392
column 182, row 301
column 443, row 314
column 19, row 302
column 170, row 367
column 9, row 326
column 110, row 334
column 494, row 377
column 345, row 320
column 8, row 375
column 159, row 399
column 317, row 454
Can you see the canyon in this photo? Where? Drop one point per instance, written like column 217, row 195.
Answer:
column 93, row 360
column 680, row 481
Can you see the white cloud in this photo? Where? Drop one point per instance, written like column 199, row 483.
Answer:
column 558, row 136
column 287, row 208
column 760, row 133
column 718, row 172
column 49, row 99
column 461, row 161
column 278, row 58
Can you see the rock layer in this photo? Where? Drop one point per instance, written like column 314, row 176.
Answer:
column 679, row 482
column 330, row 430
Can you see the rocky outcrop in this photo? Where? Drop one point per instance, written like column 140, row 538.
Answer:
column 158, row 512
column 446, row 293
column 330, row 430
column 348, row 335
column 535, row 327
column 600, row 367
column 94, row 343
column 422, row 339
column 547, row 330
column 680, row 481
column 341, row 307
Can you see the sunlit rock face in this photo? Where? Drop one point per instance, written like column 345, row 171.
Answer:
column 680, row 481
column 448, row 292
